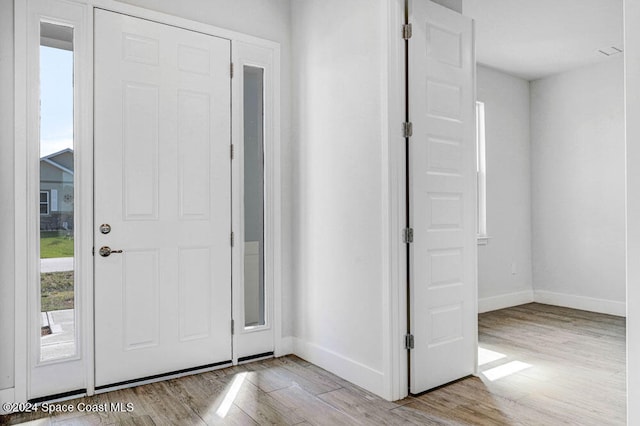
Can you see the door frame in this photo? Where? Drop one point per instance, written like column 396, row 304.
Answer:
column 395, row 307
column 26, row 156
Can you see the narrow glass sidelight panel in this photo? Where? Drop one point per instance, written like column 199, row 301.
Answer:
column 254, row 190
column 56, row 201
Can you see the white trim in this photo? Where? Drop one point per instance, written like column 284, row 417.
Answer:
column 474, row 71
column 603, row 306
column 394, row 270
column 507, row 300
column 84, row 184
column 274, row 211
column 6, row 395
column 21, row 374
column 285, row 347
column 7, row 262
column 502, row 301
column 353, row 371
column 632, row 207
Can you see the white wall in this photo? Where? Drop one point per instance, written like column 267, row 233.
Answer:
column 578, row 198
column 338, row 152
column 6, row 194
column 632, row 92
column 504, row 264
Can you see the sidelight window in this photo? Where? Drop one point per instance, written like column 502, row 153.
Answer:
column 57, row 209
column 254, row 190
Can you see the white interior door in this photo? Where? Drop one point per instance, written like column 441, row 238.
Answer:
column 162, row 184
column 442, row 196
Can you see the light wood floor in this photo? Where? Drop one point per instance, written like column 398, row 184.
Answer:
column 575, row 374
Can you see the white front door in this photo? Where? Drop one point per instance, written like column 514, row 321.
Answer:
column 442, row 196
column 162, row 184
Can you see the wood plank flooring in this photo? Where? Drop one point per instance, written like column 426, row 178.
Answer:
column 573, row 371
column 566, row 367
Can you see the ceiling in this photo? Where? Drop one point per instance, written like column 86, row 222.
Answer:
column 533, row 39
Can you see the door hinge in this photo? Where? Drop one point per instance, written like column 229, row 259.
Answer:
column 231, row 69
column 232, row 239
column 407, row 31
column 93, row 251
column 231, row 149
column 407, row 129
column 232, row 326
column 407, row 235
column 408, row 341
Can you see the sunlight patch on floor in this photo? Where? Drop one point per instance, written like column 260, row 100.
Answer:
column 505, row 370
column 485, row 356
column 231, row 395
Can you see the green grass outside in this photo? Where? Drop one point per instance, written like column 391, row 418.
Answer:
column 56, row 287
column 55, row 244
column 56, row 291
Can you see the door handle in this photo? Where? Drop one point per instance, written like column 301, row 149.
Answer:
column 105, row 251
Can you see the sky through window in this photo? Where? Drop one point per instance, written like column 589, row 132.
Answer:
column 56, row 100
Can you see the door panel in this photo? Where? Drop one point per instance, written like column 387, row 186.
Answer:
column 162, row 182
column 443, row 198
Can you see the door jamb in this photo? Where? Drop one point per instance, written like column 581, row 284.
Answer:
column 395, row 306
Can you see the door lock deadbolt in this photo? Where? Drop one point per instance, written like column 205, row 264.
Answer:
column 105, row 228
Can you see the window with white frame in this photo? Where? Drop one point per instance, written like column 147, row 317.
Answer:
column 481, row 170
column 44, row 202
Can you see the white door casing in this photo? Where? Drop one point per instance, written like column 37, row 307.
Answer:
column 163, row 184
column 442, row 196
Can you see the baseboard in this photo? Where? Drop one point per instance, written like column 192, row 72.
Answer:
column 285, row 347
column 6, row 395
column 349, row 369
column 602, row 306
column 493, row 303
